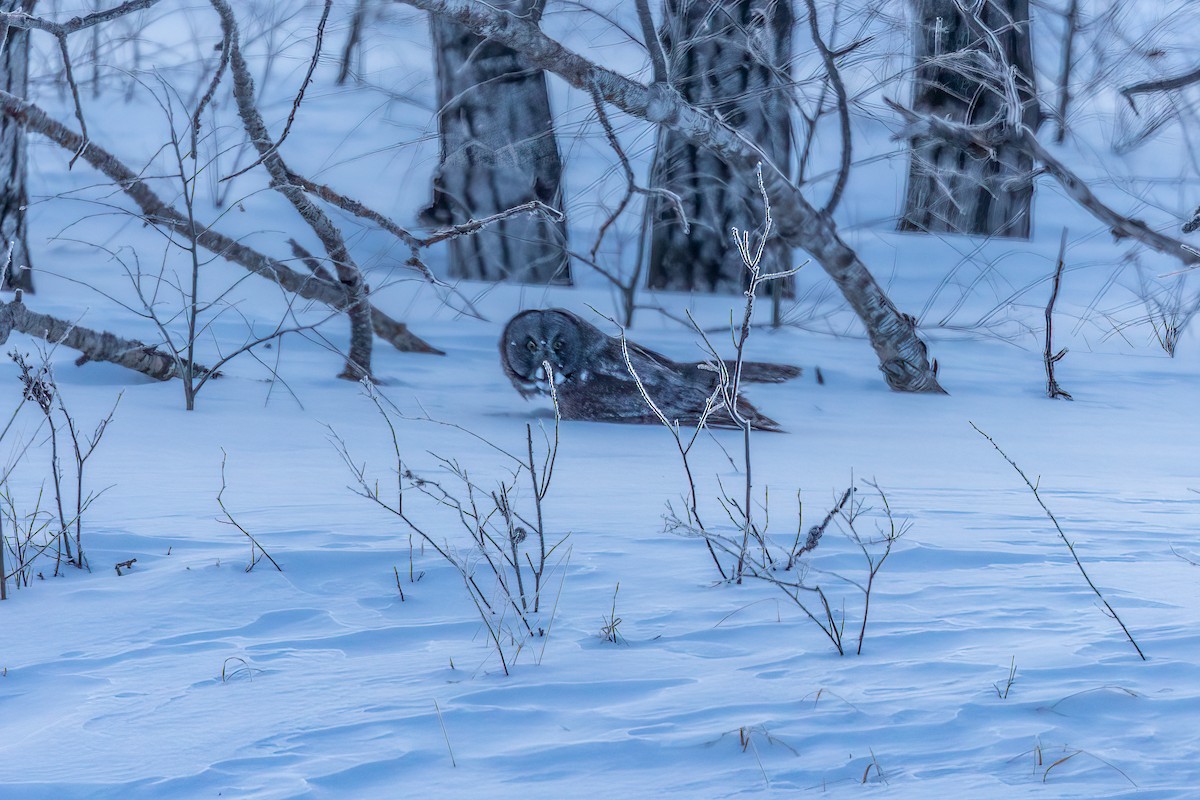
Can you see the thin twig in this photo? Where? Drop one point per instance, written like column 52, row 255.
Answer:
column 843, row 105
column 312, row 65
column 654, row 47
column 1033, row 488
column 1053, row 390
column 229, row 520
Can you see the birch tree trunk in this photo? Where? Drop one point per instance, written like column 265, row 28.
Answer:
column 497, row 151
column 732, row 58
column 952, row 189
column 14, row 79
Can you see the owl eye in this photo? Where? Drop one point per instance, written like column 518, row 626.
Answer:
column 531, row 345
column 558, row 346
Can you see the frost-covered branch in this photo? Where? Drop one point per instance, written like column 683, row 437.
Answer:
column 23, row 19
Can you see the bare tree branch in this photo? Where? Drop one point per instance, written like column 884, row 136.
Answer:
column 1161, row 85
column 159, row 213
column 69, row 75
column 658, row 58
column 352, row 41
column 25, row 20
column 1053, row 390
column 631, row 185
column 222, row 64
column 473, row 225
column 1071, row 21
column 358, row 309
column 312, row 65
column 415, row 243
column 21, row 19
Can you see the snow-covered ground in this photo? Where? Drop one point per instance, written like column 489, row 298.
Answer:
column 188, row 676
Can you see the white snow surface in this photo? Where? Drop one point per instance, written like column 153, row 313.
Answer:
column 188, row 676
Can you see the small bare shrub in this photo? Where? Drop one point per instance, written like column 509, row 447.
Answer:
column 70, row 502
column 746, row 550
column 508, row 551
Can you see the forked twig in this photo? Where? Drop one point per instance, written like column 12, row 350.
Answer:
column 229, row 520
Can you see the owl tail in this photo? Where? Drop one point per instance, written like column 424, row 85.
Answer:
column 764, row 372
column 758, row 420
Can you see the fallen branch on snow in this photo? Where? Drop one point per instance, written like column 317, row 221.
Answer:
column 95, row 345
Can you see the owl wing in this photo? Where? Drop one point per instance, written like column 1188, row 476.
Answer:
column 610, row 398
column 680, row 391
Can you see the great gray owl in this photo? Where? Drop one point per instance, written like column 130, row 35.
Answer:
column 593, row 382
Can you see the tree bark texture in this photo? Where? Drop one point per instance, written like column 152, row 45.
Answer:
column 731, row 58
column 14, row 79
column 95, row 345
column 902, row 355
column 952, row 189
column 1075, row 187
column 498, row 150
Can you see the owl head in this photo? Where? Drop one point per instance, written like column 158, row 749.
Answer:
column 534, row 337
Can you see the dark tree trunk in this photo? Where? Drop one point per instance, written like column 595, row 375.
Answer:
column 730, row 57
column 497, row 151
column 952, row 189
column 14, row 77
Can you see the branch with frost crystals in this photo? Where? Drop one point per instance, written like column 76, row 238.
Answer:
column 1192, row 224
column 902, row 355
column 987, row 137
column 158, row 213
column 22, row 19
column 95, row 345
